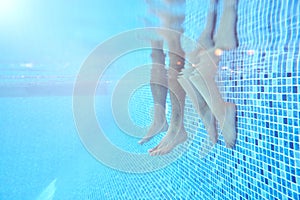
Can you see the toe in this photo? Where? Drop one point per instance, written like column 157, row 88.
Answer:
column 153, row 149
column 154, row 153
column 144, row 140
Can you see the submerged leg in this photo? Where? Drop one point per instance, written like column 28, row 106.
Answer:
column 159, row 91
column 226, row 37
column 199, row 104
column 206, row 66
column 205, row 42
column 205, row 39
column 176, row 133
column 204, row 82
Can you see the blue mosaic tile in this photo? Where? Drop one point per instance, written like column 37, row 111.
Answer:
column 265, row 164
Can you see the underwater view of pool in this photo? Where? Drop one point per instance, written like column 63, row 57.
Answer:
column 61, row 139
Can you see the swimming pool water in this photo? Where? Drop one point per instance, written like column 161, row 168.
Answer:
column 42, row 156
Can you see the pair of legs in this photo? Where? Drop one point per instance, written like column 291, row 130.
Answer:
column 171, row 17
column 198, row 81
column 162, row 81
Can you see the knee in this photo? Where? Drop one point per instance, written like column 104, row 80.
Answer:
column 176, row 62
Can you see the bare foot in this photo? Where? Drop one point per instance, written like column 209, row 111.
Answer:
column 229, row 125
column 156, row 127
column 224, row 112
column 169, row 142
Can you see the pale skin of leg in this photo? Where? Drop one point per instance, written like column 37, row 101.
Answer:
column 200, row 105
column 176, row 133
column 198, row 101
column 206, row 69
column 225, row 37
column 224, row 112
column 159, row 89
column 204, row 82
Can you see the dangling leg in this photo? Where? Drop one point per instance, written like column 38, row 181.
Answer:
column 176, row 133
column 159, row 89
column 206, row 37
column 199, row 104
column 226, row 37
column 204, row 112
column 205, row 42
column 204, row 82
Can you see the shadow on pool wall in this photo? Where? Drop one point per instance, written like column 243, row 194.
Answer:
column 261, row 77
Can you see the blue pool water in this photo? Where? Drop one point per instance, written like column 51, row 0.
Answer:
column 41, row 152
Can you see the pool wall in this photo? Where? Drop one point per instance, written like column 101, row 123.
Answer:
column 261, row 77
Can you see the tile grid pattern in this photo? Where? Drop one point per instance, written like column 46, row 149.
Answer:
column 262, row 77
